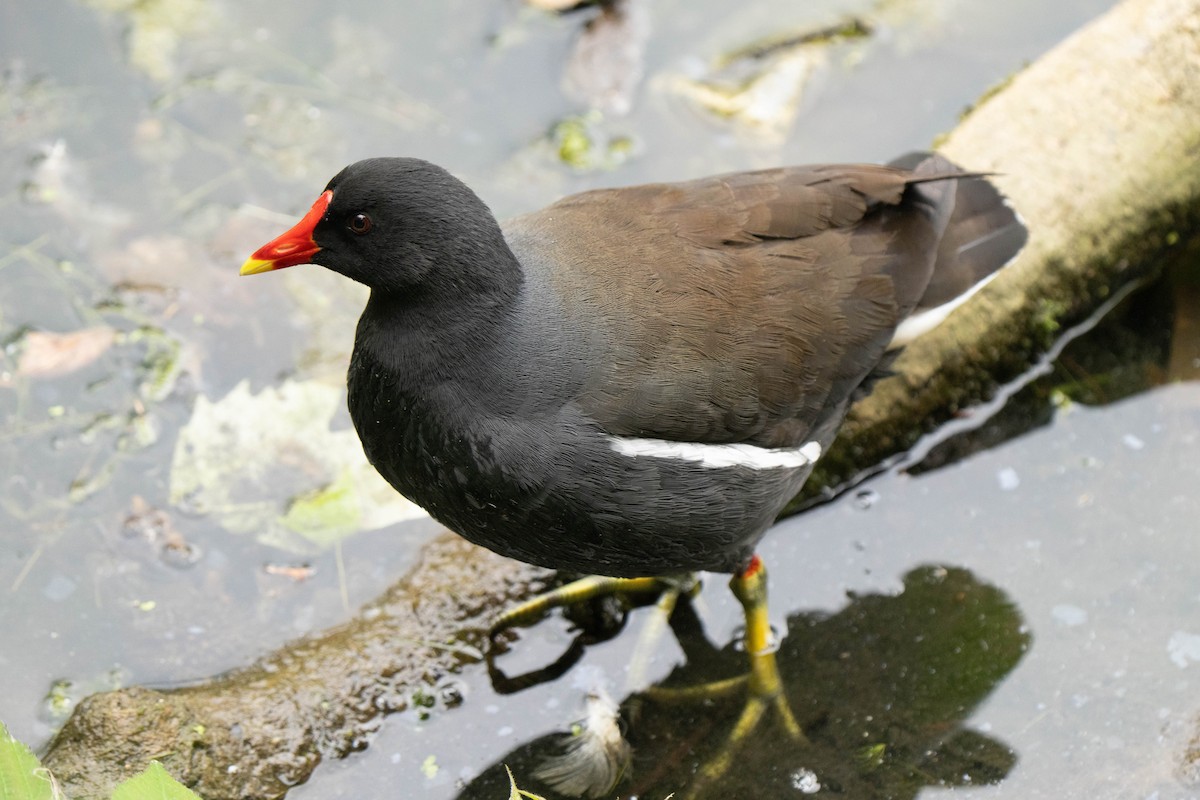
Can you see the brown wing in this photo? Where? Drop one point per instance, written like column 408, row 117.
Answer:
column 743, row 307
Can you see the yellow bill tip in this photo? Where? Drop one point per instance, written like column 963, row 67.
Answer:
column 253, row 266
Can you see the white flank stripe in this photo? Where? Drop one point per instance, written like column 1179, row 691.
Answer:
column 719, row 455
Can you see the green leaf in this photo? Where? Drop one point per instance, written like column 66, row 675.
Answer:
column 21, row 775
column 153, row 783
column 516, row 793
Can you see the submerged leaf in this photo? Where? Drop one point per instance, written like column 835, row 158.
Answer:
column 326, row 513
column 270, row 464
column 767, row 100
column 47, row 355
column 156, row 30
column 607, row 62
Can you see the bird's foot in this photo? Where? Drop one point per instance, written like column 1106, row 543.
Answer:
column 762, row 684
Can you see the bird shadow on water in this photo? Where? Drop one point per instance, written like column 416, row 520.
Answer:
column 881, row 688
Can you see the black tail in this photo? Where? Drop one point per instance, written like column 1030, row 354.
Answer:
column 982, row 235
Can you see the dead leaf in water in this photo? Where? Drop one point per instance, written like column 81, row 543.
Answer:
column 607, row 62
column 154, row 526
column 294, row 572
column 45, row 354
column 270, row 464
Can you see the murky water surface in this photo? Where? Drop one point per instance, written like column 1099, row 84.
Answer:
column 147, row 148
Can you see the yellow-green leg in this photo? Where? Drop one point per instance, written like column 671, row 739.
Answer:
column 577, row 592
column 763, row 683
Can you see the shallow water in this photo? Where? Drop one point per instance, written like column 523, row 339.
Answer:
column 146, row 152
column 1084, row 529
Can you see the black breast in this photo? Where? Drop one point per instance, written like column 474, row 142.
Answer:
column 551, row 490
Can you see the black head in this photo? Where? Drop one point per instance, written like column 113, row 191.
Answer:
column 399, row 225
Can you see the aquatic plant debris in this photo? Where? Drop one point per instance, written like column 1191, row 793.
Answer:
column 45, row 354
column 515, row 792
column 761, row 85
column 581, row 143
column 156, row 28
column 594, row 756
column 608, row 60
column 237, row 455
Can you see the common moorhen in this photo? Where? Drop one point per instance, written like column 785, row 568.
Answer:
column 634, row 381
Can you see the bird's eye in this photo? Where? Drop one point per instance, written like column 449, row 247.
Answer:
column 360, row 223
